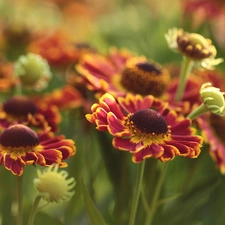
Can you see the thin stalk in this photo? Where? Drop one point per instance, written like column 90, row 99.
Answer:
column 137, row 190
column 201, row 109
column 154, row 203
column 186, row 67
column 144, row 200
column 19, row 186
column 18, row 89
column 34, row 210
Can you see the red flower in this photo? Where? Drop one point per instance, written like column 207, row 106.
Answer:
column 22, row 109
column 57, row 49
column 64, row 98
column 146, row 127
column 21, row 146
column 121, row 72
column 212, row 127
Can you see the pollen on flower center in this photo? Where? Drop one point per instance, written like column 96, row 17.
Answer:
column 147, row 126
column 195, row 46
column 143, row 77
column 19, row 137
column 149, row 121
column 19, row 106
column 148, row 67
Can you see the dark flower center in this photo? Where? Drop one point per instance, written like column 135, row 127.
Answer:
column 149, row 121
column 142, row 77
column 195, row 46
column 147, row 67
column 218, row 124
column 19, row 106
column 19, row 136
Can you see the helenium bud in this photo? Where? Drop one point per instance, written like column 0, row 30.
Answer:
column 213, row 98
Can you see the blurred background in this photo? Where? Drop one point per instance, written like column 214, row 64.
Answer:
column 197, row 187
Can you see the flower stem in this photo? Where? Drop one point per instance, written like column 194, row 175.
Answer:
column 186, row 67
column 18, row 89
column 198, row 111
column 156, row 194
column 34, row 209
column 137, row 192
column 19, row 184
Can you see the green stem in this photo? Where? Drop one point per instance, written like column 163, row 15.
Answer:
column 154, row 203
column 137, row 190
column 198, row 111
column 19, row 184
column 186, row 67
column 18, row 89
column 34, row 210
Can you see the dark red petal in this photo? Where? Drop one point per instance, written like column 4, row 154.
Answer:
column 52, row 156
column 115, row 125
column 151, row 151
column 126, row 144
column 14, row 165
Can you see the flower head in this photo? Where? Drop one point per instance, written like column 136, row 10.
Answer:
column 58, row 49
column 21, row 146
column 121, row 72
column 22, row 109
column 212, row 127
column 54, row 185
column 149, row 128
column 203, row 10
column 64, row 98
column 7, row 80
column 33, row 71
column 193, row 46
column 213, row 99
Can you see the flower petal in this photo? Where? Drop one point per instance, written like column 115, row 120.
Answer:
column 52, row 156
column 116, row 127
column 151, row 151
column 126, row 144
column 14, row 165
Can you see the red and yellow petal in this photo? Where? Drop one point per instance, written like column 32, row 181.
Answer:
column 151, row 151
column 33, row 158
column 16, row 166
column 116, row 128
column 132, row 103
column 111, row 105
column 126, row 145
column 52, row 156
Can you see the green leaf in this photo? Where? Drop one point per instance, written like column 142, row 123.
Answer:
column 94, row 215
column 167, row 199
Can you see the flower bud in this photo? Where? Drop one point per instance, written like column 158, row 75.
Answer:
column 213, row 99
column 193, row 46
column 53, row 185
column 33, row 71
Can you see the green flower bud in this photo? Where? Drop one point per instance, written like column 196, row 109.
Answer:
column 53, row 185
column 213, row 99
column 33, row 70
